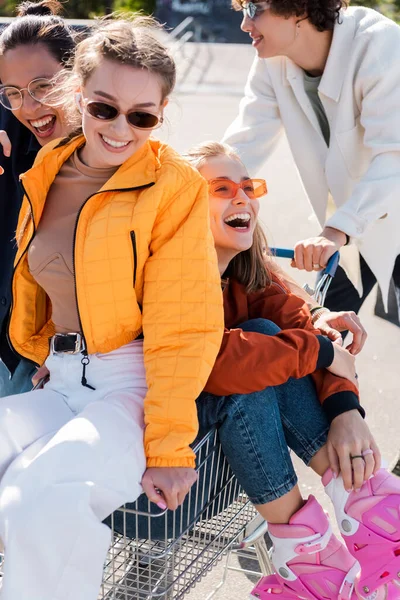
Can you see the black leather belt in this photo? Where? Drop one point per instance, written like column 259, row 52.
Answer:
column 66, row 343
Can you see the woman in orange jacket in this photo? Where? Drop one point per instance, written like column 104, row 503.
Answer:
column 277, row 383
column 116, row 290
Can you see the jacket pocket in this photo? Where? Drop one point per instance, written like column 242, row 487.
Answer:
column 134, row 250
column 355, row 154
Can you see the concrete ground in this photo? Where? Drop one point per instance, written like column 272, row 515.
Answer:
column 211, row 83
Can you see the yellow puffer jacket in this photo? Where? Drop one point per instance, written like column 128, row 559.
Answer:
column 144, row 261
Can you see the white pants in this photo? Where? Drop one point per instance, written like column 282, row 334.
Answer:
column 69, row 456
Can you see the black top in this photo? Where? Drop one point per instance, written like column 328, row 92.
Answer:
column 23, row 153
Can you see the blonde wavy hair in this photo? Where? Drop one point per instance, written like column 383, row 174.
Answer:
column 250, row 266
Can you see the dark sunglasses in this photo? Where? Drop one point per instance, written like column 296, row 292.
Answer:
column 136, row 118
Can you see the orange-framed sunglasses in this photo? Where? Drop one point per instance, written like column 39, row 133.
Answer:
column 226, row 188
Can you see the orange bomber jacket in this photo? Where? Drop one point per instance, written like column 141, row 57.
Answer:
column 251, row 361
column 144, row 261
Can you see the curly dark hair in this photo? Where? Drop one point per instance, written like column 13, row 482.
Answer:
column 323, row 14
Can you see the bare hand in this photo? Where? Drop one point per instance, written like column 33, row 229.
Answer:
column 344, row 364
column 313, row 254
column 173, row 482
column 329, row 331
column 41, row 373
column 6, row 145
column 330, row 323
column 348, row 436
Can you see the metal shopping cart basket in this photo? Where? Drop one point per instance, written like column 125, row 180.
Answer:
column 158, row 554
column 163, row 554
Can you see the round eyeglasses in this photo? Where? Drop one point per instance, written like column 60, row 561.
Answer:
column 255, row 9
column 12, row 97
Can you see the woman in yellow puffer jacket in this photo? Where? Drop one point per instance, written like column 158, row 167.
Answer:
column 116, row 292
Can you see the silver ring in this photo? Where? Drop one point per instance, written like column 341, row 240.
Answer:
column 316, row 266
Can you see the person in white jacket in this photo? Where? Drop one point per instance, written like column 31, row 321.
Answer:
column 329, row 76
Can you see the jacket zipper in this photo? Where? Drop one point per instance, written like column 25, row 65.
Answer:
column 12, row 279
column 133, row 240
column 84, row 352
column 74, row 239
column 86, row 360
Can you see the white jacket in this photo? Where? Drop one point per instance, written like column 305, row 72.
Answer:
column 360, row 91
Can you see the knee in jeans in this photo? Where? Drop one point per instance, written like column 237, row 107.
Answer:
column 259, row 325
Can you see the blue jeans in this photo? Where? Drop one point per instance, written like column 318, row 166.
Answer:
column 256, row 429
column 21, row 380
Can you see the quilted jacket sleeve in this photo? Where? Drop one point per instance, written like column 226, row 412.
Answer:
column 182, row 322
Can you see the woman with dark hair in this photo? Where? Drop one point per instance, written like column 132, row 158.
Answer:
column 277, row 383
column 328, row 76
column 33, row 48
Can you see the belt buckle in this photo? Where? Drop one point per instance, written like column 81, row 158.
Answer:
column 78, row 343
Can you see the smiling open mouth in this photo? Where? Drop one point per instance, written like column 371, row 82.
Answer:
column 257, row 40
column 239, row 221
column 114, row 143
column 45, row 125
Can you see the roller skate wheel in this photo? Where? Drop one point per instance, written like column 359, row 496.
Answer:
column 283, row 572
column 346, row 525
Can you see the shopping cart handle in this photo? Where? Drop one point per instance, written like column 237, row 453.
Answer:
column 330, row 268
column 282, row 252
column 332, row 264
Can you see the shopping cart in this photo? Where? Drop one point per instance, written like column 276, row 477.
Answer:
column 157, row 554
column 163, row 554
column 323, row 282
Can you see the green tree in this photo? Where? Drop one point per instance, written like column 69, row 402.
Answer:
column 78, row 9
column 390, row 9
column 85, row 9
column 370, row 3
column 146, row 6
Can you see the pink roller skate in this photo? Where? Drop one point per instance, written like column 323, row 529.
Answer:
column 369, row 522
column 310, row 562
